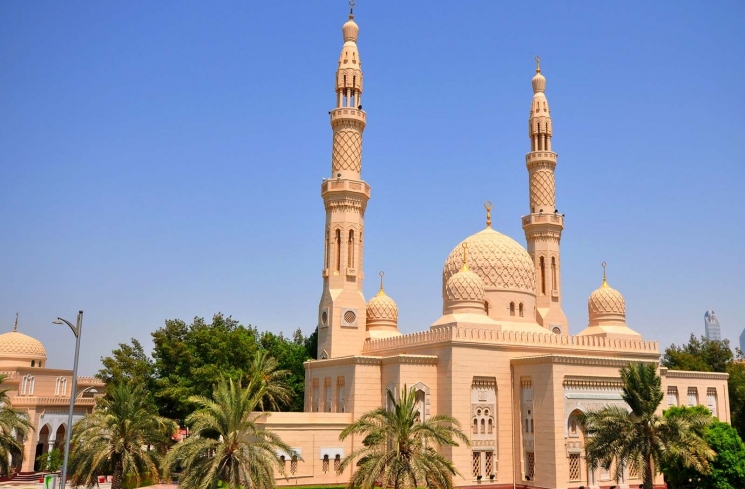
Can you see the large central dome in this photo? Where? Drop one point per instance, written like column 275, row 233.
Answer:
column 500, row 261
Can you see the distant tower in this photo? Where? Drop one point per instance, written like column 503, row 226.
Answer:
column 544, row 224
column 711, row 326
column 742, row 341
column 341, row 315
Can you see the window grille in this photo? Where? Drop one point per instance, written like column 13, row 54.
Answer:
column 530, row 465
column 293, row 465
column 574, row 469
column 692, row 396
column 672, row 396
column 337, row 464
column 476, row 464
column 711, row 400
column 489, row 462
column 633, row 473
column 325, row 464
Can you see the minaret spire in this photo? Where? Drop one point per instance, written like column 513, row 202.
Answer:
column 544, row 224
column 15, row 326
column 341, row 325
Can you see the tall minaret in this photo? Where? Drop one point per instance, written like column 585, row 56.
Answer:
column 544, row 224
column 341, row 316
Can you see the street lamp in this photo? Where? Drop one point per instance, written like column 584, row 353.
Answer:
column 76, row 331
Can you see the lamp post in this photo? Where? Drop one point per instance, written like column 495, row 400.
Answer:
column 76, row 331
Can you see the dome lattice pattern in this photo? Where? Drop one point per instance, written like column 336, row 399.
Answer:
column 19, row 343
column 382, row 307
column 499, row 260
column 464, row 286
column 606, row 300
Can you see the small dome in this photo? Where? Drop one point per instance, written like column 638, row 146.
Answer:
column 539, row 83
column 606, row 306
column 500, row 261
column 350, row 29
column 465, row 286
column 606, row 300
column 382, row 308
column 15, row 344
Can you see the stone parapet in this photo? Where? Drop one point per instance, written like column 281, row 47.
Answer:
column 461, row 334
column 21, row 401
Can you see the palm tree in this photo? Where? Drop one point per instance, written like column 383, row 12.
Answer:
column 267, row 382
column 399, row 450
column 14, row 424
column 227, row 444
column 643, row 439
column 118, row 436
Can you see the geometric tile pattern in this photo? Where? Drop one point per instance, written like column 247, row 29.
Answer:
column 382, row 307
column 347, row 151
column 542, row 190
column 465, row 286
column 15, row 342
column 500, row 261
column 606, row 300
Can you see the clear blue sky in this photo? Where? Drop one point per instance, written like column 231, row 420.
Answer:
column 164, row 159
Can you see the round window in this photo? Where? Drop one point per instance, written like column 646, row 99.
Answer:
column 349, row 317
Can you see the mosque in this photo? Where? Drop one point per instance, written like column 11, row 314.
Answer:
column 501, row 359
column 43, row 393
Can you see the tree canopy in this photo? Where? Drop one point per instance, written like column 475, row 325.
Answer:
column 705, row 355
column 726, row 470
column 642, row 439
column 189, row 360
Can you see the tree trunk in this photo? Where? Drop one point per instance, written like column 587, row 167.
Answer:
column 116, row 482
column 648, row 474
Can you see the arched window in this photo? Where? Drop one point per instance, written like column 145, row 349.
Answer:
column 338, row 250
column 531, row 425
column 325, row 464
column 554, row 283
column 475, row 426
column 337, row 463
column 27, row 387
column 61, row 387
column 486, row 307
column 527, row 426
column 491, row 426
column 33, row 363
column 512, row 308
column 483, row 426
column 522, row 310
column 350, row 249
column 543, row 276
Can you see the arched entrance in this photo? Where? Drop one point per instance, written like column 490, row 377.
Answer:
column 42, row 445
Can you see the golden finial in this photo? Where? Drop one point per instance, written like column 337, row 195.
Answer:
column 605, row 282
column 537, row 64
column 488, row 206
column 351, row 8
column 381, row 292
column 464, row 268
column 15, row 327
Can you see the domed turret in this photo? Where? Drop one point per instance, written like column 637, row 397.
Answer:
column 607, row 313
column 18, row 349
column 506, row 270
column 382, row 315
column 606, row 306
column 350, row 29
column 464, row 291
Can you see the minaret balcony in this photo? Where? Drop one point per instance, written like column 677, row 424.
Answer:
column 348, row 113
column 334, row 185
column 544, row 218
